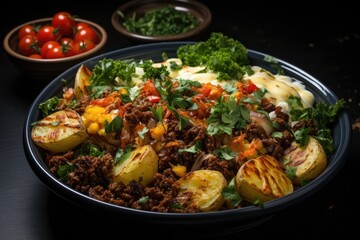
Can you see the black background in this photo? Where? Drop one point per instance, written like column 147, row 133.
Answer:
column 323, row 41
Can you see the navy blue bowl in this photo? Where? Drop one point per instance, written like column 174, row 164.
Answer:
column 236, row 218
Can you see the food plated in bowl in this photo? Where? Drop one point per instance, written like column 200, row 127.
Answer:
column 161, row 20
column 27, row 52
column 168, row 141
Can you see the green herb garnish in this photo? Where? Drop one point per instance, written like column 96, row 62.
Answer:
column 161, row 22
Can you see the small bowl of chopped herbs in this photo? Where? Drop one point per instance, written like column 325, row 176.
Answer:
column 161, row 20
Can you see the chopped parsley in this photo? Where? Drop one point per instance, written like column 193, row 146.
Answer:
column 230, row 193
column 49, row 106
column 225, row 153
column 114, row 126
column 161, row 21
column 226, row 116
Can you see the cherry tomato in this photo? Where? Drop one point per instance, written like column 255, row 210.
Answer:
column 26, row 30
column 67, row 46
column 48, row 33
column 28, row 45
column 65, row 22
column 81, row 25
column 83, row 46
column 66, row 41
column 47, row 46
column 86, row 33
column 35, row 55
column 55, row 52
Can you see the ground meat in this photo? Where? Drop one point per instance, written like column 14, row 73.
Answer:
column 138, row 112
column 281, row 114
column 267, row 105
column 276, row 146
column 213, row 162
column 171, row 155
column 89, row 172
column 54, row 161
column 281, row 120
column 196, row 133
column 306, row 124
column 254, row 131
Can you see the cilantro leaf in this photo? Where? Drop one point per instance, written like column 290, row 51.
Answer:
column 230, row 193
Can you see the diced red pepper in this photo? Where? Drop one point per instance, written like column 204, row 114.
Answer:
column 154, row 99
column 250, row 87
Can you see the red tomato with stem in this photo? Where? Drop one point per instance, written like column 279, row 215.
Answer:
column 65, row 22
column 55, row 52
column 83, row 46
column 28, row 45
column 47, row 46
column 81, row 25
column 86, row 34
column 26, row 30
column 67, row 46
column 48, row 33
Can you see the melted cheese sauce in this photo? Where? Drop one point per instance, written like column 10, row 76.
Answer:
column 279, row 87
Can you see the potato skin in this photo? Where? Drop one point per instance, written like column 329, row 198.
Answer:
column 308, row 161
column 205, row 188
column 82, row 81
column 142, row 166
column 262, row 179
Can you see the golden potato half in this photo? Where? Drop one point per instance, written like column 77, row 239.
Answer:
column 59, row 132
column 204, row 187
column 305, row 163
column 142, row 166
column 82, row 81
column 262, row 179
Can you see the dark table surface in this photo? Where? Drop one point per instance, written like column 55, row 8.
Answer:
column 324, row 42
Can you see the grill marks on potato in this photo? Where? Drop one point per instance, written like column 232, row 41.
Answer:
column 60, row 131
column 262, row 179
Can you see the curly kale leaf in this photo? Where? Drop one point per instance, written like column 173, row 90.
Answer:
column 107, row 70
column 219, row 53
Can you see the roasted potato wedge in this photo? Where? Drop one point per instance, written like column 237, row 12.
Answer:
column 305, row 163
column 82, row 81
column 262, row 179
column 204, row 188
column 59, row 132
column 142, row 166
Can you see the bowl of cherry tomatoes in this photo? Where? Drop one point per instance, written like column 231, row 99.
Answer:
column 44, row 48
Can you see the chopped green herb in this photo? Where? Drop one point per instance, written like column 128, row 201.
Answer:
column 226, row 116
column 183, row 122
column 193, row 149
column 121, row 155
column 107, row 71
column 49, row 106
column 89, row 149
column 302, row 136
column 258, row 203
column 142, row 132
column 143, row 200
column 177, row 205
column 161, row 21
column 230, row 193
column 64, row 170
column 225, row 153
column 114, row 126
